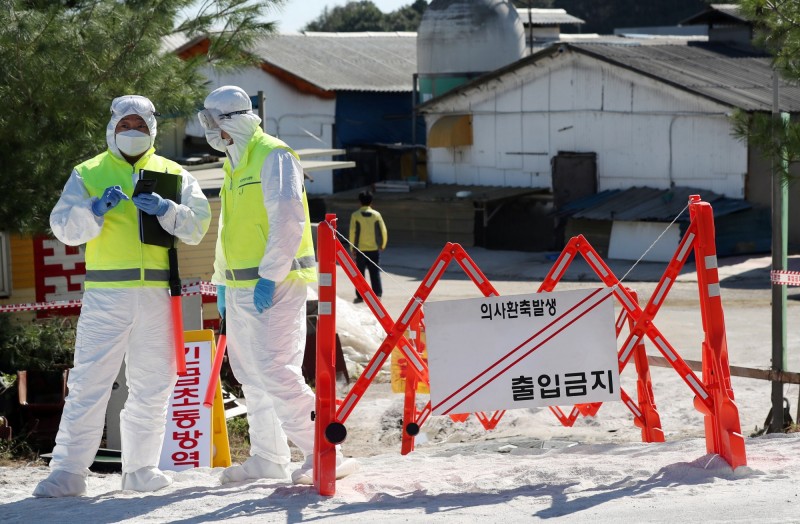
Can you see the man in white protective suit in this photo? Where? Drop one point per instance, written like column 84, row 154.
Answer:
column 263, row 265
column 126, row 303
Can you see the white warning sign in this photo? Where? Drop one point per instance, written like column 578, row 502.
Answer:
column 187, row 440
column 521, row 351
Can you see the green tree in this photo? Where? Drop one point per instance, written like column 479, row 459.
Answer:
column 351, row 17
column 604, row 17
column 364, row 15
column 777, row 27
column 406, row 18
column 63, row 61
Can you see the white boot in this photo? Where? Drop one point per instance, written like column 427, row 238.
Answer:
column 305, row 473
column 255, row 468
column 61, row 483
column 145, row 479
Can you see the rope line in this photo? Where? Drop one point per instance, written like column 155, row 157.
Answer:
column 654, row 242
column 401, row 285
column 191, row 288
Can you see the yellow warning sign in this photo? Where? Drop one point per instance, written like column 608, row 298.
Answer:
column 195, row 436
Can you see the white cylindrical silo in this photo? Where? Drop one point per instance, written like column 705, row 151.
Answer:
column 460, row 39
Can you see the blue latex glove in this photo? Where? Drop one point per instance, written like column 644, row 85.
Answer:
column 262, row 295
column 151, row 203
column 111, row 197
column 221, row 300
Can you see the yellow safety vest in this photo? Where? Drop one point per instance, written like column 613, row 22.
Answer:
column 245, row 226
column 116, row 258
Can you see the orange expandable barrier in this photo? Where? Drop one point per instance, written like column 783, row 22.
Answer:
column 713, row 392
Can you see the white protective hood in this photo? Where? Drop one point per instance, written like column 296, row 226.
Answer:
column 130, row 105
column 241, row 127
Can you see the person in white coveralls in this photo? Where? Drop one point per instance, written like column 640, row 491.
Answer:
column 264, row 262
column 126, row 303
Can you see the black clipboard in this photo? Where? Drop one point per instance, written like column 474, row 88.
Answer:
column 145, row 185
column 167, row 186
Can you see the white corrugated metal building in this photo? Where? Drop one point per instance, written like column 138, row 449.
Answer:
column 654, row 112
column 588, row 97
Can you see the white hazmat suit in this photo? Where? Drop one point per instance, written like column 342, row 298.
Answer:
column 134, row 323
column 266, row 348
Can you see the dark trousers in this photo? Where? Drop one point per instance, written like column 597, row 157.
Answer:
column 374, row 273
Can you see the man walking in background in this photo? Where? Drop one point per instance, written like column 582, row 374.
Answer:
column 368, row 236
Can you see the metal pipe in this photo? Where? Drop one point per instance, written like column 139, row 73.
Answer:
column 779, row 237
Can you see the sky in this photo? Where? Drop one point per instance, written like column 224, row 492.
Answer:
column 297, row 13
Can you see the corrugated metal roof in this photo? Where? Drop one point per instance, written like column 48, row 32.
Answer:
column 345, row 61
column 723, row 73
column 648, row 204
column 717, row 14
column 175, row 41
column 547, row 16
column 729, row 75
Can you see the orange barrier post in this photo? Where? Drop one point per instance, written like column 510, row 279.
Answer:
column 723, row 430
column 325, row 410
column 649, row 420
column 177, row 335
column 177, row 311
column 208, row 400
column 410, row 428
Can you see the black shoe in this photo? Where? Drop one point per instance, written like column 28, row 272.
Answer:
column 358, row 300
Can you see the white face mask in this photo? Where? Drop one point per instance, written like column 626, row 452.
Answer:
column 132, row 142
column 215, row 140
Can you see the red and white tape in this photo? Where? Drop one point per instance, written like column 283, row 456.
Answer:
column 193, row 288
column 199, row 288
column 39, row 306
column 785, row 278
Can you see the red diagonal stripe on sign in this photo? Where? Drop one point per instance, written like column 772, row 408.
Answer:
column 574, row 308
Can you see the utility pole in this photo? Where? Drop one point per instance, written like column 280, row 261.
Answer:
column 780, row 228
column 261, row 110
